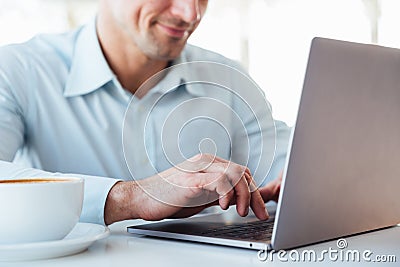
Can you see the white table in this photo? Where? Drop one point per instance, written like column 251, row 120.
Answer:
column 123, row 249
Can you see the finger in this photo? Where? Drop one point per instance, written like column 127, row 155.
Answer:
column 195, row 164
column 271, row 191
column 221, row 185
column 234, row 173
column 203, row 161
column 225, row 200
column 243, row 197
column 257, row 202
column 232, row 170
column 221, row 160
column 266, row 193
column 280, row 176
column 210, row 163
column 207, row 158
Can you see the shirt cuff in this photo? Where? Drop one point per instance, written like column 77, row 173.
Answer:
column 94, row 201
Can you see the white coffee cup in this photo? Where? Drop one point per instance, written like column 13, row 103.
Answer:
column 39, row 209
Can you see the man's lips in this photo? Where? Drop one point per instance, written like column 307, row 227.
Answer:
column 172, row 31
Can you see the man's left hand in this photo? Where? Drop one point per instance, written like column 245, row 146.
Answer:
column 271, row 190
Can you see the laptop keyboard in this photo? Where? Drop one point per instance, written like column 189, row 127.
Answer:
column 257, row 230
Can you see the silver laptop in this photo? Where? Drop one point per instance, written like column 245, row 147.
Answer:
column 343, row 166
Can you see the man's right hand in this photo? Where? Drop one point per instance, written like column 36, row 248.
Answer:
column 185, row 190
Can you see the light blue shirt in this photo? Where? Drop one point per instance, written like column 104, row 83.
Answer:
column 62, row 113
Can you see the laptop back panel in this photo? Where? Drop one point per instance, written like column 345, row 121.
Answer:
column 343, row 174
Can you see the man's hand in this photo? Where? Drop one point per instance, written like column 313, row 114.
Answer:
column 271, row 190
column 185, row 190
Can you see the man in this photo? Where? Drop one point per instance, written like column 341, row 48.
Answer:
column 62, row 103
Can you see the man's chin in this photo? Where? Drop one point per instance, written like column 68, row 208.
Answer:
column 163, row 47
column 167, row 55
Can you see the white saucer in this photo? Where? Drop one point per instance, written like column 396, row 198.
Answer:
column 80, row 238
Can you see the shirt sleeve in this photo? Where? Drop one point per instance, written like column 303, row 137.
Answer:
column 11, row 124
column 12, row 131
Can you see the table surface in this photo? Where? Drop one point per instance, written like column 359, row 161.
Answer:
column 123, row 249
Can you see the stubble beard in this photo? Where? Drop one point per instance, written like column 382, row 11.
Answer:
column 160, row 48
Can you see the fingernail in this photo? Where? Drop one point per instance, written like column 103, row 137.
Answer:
column 266, row 214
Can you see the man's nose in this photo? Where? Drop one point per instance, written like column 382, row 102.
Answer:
column 186, row 10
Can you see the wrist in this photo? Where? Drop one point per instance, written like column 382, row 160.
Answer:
column 120, row 203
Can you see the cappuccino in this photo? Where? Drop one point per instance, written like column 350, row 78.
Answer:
column 39, row 209
column 36, row 180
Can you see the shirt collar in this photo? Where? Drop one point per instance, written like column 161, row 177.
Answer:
column 180, row 76
column 89, row 70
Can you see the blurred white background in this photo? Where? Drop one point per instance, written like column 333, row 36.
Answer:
column 269, row 37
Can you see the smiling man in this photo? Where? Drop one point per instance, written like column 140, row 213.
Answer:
column 139, row 38
column 63, row 100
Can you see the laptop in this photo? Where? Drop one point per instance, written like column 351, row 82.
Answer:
column 342, row 174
